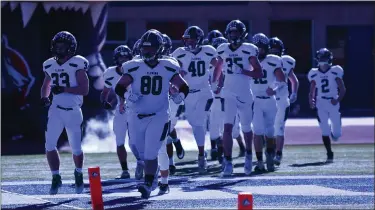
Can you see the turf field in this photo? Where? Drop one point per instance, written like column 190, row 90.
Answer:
column 302, row 181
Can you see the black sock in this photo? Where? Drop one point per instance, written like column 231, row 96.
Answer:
column 228, row 158
column 279, row 153
column 149, row 179
column 259, row 156
column 270, row 150
column 124, row 166
column 327, row 143
column 213, row 144
column 249, row 152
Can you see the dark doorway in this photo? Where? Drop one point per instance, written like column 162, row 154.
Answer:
column 296, row 35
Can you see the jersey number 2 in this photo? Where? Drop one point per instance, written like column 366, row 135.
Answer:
column 60, row 79
column 151, row 85
column 262, row 80
column 197, row 68
column 325, row 84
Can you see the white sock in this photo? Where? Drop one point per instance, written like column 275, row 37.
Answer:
column 164, row 180
column 79, row 170
column 171, row 161
column 55, row 172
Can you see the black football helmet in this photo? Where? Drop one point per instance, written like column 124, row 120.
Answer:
column 135, row 50
column 63, row 45
column 263, row 43
column 122, row 54
column 324, row 56
column 205, row 42
column 167, row 45
column 216, row 42
column 212, row 35
column 193, row 37
column 151, row 45
column 235, row 32
column 276, row 46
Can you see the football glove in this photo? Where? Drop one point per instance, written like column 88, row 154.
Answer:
column 132, row 97
column 178, row 97
column 45, row 102
column 106, row 105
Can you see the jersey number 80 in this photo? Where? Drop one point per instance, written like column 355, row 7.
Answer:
column 151, row 85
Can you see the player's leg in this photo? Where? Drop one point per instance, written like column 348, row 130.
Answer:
column 325, row 128
column 269, row 120
column 236, row 135
column 155, row 133
column 230, row 112
column 216, row 122
column 53, row 131
column 120, row 128
column 136, row 143
column 280, row 120
column 164, row 166
column 73, row 124
column 176, row 111
column 335, row 118
column 245, row 116
column 259, row 131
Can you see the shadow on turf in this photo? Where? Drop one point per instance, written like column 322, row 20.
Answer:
column 320, row 163
column 42, row 206
column 137, row 203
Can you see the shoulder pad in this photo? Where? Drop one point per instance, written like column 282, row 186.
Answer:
column 179, row 53
column 337, row 70
column 288, row 59
column 48, row 63
column 273, row 60
column 220, row 50
column 79, row 62
column 130, row 66
column 250, row 49
column 312, row 73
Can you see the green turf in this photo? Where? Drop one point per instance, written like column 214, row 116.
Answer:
column 349, row 160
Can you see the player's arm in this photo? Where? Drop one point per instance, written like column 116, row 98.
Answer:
column 341, row 87
column 104, row 98
column 83, row 84
column 218, row 64
column 312, row 94
column 280, row 79
column 295, row 85
column 45, row 91
column 182, row 86
column 122, row 85
column 257, row 71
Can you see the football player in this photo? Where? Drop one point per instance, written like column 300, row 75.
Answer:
column 327, row 90
column 121, row 54
column 174, row 108
column 264, row 108
column 66, row 78
column 150, row 78
column 213, row 35
column 217, row 115
column 195, row 59
column 282, row 100
column 239, row 58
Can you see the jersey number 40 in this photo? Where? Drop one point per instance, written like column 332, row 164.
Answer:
column 197, row 68
column 151, row 85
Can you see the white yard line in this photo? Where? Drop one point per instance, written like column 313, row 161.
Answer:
column 281, row 177
column 38, row 199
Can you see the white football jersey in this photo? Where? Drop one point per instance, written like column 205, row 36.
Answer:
column 236, row 83
column 196, row 65
column 269, row 64
column 65, row 76
column 152, row 83
column 289, row 63
column 326, row 81
column 111, row 77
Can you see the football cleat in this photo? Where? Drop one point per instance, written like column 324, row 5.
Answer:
column 277, row 160
column 202, row 164
column 259, row 167
column 124, row 175
column 228, row 169
column 145, row 190
column 56, row 184
column 269, row 161
column 78, row 177
column 329, row 157
column 163, row 189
